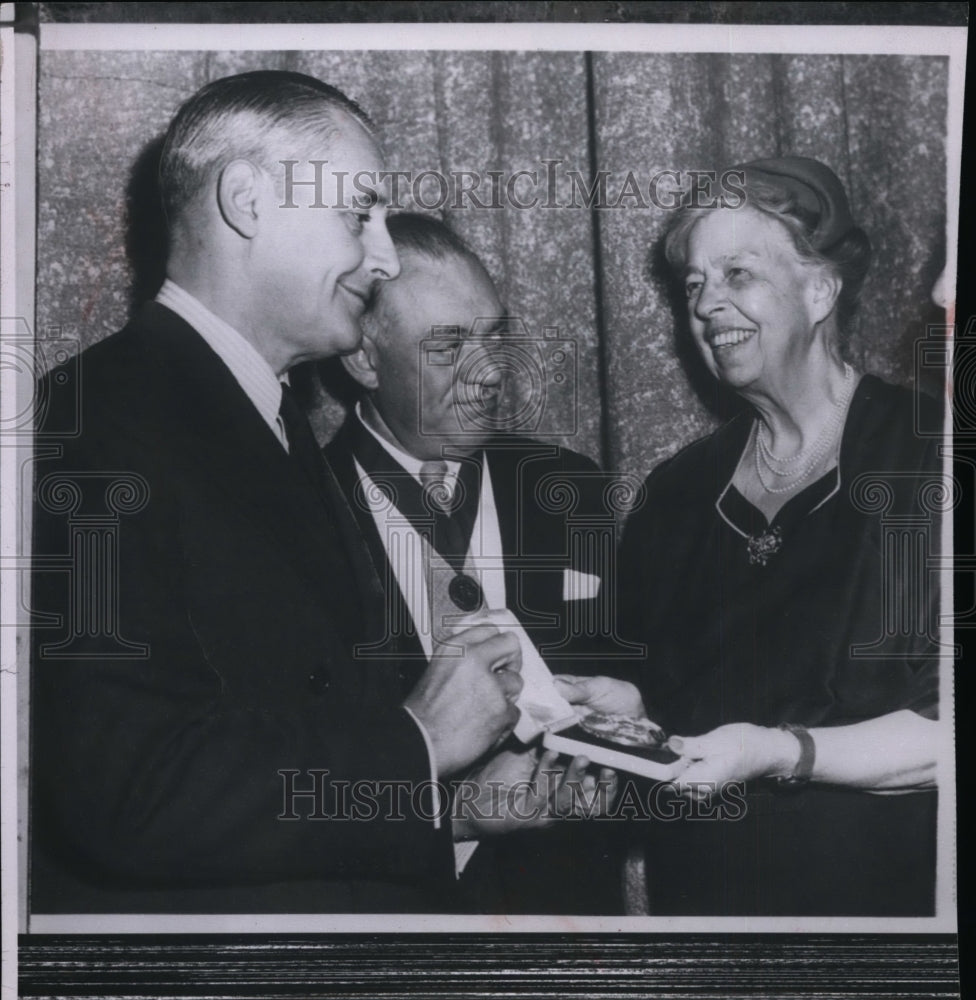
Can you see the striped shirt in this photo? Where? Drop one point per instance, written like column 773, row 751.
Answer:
column 254, row 375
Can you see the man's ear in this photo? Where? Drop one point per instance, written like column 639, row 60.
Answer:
column 239, row 190
column 823, row 289
column 361, row 364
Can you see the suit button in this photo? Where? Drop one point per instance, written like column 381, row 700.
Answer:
column 319, row 681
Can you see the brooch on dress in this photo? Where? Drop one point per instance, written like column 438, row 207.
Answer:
column 761, row 547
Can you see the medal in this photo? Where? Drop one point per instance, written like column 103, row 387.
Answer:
column 465, row 592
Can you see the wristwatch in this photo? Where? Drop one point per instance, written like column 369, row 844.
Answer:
column 808, row 754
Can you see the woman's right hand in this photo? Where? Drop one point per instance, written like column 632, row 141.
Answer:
column 602, row 694
column 733, row 753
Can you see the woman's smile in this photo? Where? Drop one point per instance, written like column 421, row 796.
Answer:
column 729, row 337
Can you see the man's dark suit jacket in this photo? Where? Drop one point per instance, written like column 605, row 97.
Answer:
column 545, row 497
column 240, row 590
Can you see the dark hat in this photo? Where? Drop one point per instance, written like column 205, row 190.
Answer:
column 816, row 188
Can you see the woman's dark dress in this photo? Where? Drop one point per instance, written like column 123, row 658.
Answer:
column 731, row 639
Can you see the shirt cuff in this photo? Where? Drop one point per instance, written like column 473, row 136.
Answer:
column 464, row 849
column 435, row 788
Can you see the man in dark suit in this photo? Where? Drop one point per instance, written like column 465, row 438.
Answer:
column 524, row 527
column 201, row 728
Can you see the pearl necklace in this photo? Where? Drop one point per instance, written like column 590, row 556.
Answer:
column 817, row 451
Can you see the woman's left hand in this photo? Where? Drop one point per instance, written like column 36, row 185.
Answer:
column 737, row 752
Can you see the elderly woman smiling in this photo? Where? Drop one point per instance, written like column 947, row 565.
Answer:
column 757, row 574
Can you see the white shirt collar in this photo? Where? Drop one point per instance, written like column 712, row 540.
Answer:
column 409, row 463
column 255, row 376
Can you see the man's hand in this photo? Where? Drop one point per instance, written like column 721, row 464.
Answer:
column 465, row 698
column 602, row 694
column 528, row 790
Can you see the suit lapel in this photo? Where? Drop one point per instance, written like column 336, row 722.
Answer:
column 406, row 647
column 359, row 554
column 339, row 453
column 218, row 429
column 516, row 467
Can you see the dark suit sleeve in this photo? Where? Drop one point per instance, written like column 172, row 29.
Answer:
column 162, row 724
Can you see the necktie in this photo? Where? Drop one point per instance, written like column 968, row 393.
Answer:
column 446, row 521
column 433, row 477
column 452, row 533
column 301, row 441
column 306, row 456
column 302, row 446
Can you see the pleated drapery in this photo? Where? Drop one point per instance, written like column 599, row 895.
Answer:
column 581, row 277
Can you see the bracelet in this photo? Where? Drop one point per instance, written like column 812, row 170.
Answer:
column 808, row 754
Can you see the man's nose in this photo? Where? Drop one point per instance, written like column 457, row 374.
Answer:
column 481, row 363
column 381, row 255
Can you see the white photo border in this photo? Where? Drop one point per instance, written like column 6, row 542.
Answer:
column 733, row 39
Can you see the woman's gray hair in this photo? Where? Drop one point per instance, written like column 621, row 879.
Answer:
column 849, row 257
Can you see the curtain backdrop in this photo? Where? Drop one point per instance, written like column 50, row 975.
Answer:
column 583, row 279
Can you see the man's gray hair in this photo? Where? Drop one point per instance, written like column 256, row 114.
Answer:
column 263, row 116
column 413, row 232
